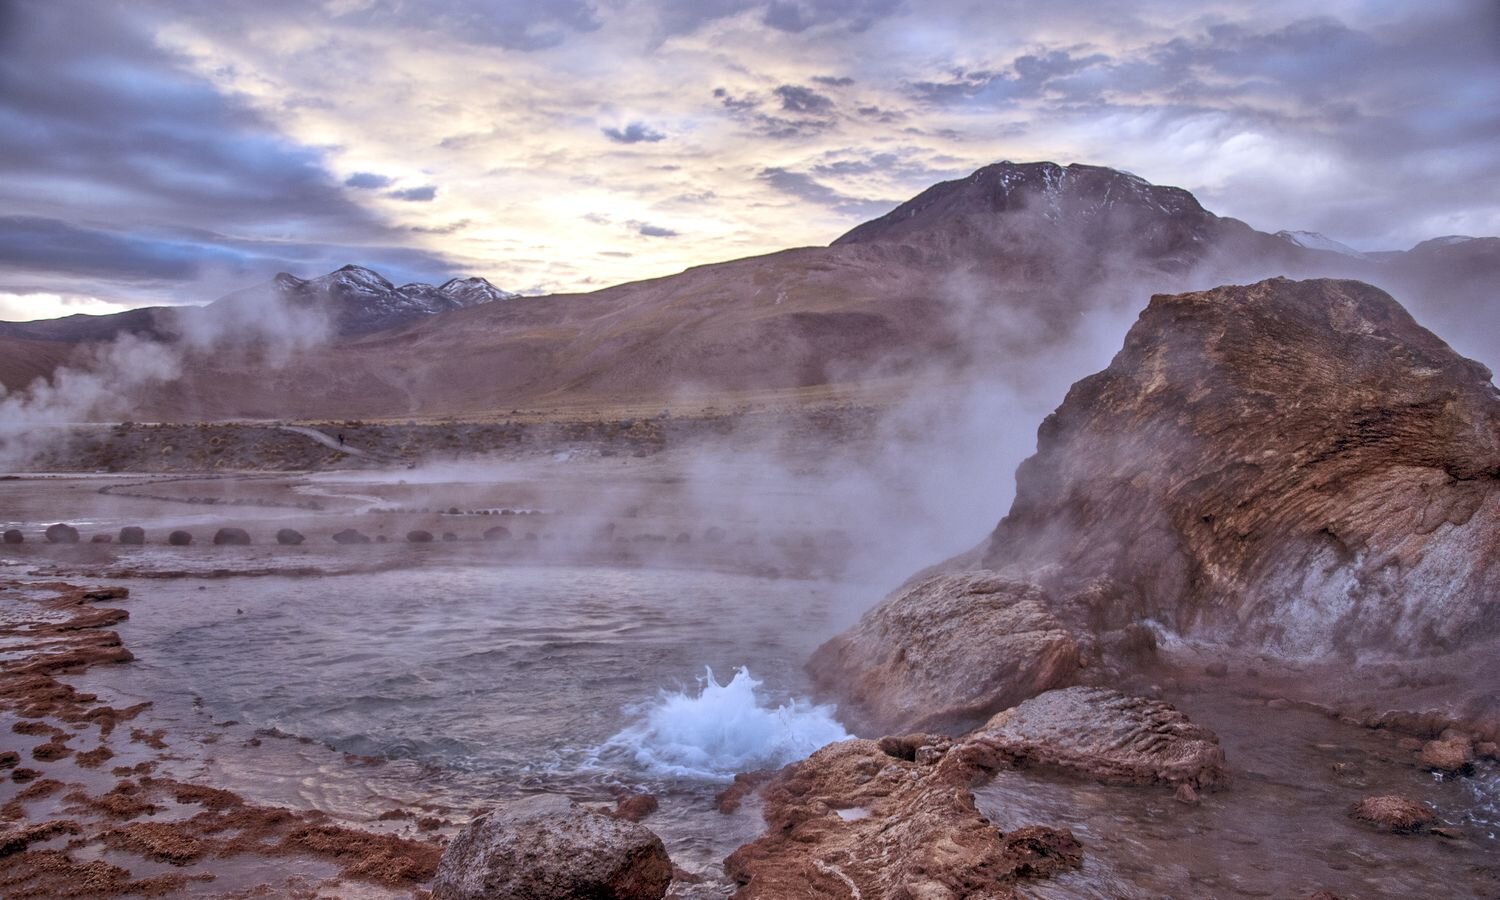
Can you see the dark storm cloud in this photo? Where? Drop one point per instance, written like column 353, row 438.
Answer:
column 160, row 257
column 122, row 132
column 634, row 133
column 832, row 81
column 367, row 181
column 802, row 100
column 423, row 194
column 805, row 187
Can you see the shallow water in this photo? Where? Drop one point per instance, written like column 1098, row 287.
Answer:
column 1279, row 829
column 482, row 682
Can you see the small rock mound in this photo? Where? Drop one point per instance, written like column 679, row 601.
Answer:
column 351, row 536
column 1394, row 814
column 949, row 649
column 419, row 537
column 1103, row 734
column 498, row 533
column 1451, row 755
column 180, row 538
column 234, row 537
column 133, row 535
column 546, row 847
column 61, row 534
column 289, row 537
column 14, row 536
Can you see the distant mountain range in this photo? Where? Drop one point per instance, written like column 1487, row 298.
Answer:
column 993, row 273
column 352, row 300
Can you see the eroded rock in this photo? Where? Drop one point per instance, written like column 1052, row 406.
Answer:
column 1394, row 814
column 547, row 847
column 852, row 820
column 949, row 649
column 1103, row 734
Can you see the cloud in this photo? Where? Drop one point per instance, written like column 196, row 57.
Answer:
column 526, row 25
column 805, row 187
column 367, row 181
column 832, row 81
column 634, row 133
column 646, row 229
column 424, row 194
column 805, row 101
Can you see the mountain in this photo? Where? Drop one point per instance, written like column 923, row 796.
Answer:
column 353, row 300
column 1296, row 469
column 357, row 300
column 1002, row 276
column 1312, row 240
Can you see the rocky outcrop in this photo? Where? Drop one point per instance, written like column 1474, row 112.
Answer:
column 289, row 537
column 853, row 820
column 1394, row 814
column 951, row 648
column 61, row 534
column 133, row 535
column 1102, row 734
column 234, row 537
column 547, row 847
column 1295, row 468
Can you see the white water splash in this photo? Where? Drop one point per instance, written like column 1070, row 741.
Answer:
column 724, row 729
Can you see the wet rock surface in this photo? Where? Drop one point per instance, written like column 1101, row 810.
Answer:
column 950, row 648
column 547, row 846
column 854, row 821
column 1102, row 734
column 1397, row 815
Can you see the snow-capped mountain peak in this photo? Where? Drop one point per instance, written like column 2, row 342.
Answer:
column 1312, row 240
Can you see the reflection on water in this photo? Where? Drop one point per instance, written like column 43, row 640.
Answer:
column 1280, row 828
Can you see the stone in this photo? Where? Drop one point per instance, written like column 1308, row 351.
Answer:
column 351, row 536
column 180, row 538
column 1451, row 755
column 101, row 539
column 133, row 535
column 852, row 820
column 546, row 847
column 498, row 533
column 1101, row 734
column 233, row 537
column 950, row 650
column 14, row 536
column 289, row 537
column 1397, row 815
column 419, row 537
column 61, row 534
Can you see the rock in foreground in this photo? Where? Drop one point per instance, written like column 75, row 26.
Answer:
column 1394, row 814
column 233, row 537
column 61, row 534
column 549, row 848
column 1102, row 734
column 950, row 648
column 853, row 820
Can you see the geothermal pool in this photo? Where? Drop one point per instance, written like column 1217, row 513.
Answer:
column 479, row 682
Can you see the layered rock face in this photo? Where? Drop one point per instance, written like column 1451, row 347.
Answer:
column 1289, row 467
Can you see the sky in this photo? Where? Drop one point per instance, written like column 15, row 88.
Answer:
column 169, row 151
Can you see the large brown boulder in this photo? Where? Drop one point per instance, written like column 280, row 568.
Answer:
column 1392, row 813
column 894, row 819
column 1292, row 468
column 1296, row 466
column 1102, row 734
column 951, row 648
column 547, row 847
